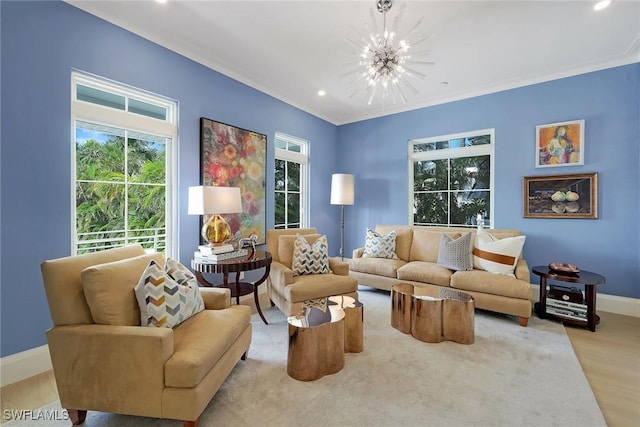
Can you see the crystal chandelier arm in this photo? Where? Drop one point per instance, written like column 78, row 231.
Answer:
column 414, row 73
column 407, row 84
column 413, row 28
column 424, row 39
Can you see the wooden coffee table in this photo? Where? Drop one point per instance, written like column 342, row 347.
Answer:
column 433, row 316
column 320, row 335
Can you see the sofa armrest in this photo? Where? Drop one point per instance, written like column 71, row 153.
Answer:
column 339, row 267
column 522, row 271
column 357, row 253
column 280, row 274
column 96, row 365
column 216, row 298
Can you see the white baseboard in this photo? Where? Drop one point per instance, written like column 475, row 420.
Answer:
column 605, row 302
column 19, row 366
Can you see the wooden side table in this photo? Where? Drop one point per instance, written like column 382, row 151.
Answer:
column 259, row 259
column 587, row 278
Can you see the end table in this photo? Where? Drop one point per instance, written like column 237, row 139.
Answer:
column 586, row 278
column 259, row 259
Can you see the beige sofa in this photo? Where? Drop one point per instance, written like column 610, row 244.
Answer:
column 417, row 250
column 126, row 368
column 287, row 291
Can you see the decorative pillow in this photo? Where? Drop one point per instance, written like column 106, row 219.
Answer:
column 108, row 289
column 285, row 246
column 497, row 255
column 310, row 258
column 379, row 246
column 167, row 297
column 456, row 254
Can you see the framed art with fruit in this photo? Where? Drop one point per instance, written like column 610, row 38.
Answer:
column 561, row 196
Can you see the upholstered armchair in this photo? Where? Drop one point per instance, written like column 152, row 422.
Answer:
column 104, row 360
column 286, row 290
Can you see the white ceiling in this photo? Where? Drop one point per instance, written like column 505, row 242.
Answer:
column 292, row 49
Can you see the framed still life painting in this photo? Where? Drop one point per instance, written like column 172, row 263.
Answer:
column 560, row 144
column 235, row 157
column 561, row 196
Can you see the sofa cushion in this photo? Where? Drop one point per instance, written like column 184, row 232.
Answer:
column 378, row 266
column 427, row 272
column 455, row 254
column 108, row 289
column 200, row 341
column 426, row 245
column 377, row 245
column 308, row 287
column 404, row 236
column 310, row 258
column 167, row 297
column 496, row 255
column 490, row 283
column 285, row 246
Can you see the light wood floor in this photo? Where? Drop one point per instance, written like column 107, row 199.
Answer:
column 610, row 358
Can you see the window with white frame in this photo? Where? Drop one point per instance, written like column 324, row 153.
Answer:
column 124, row 169
column 291, row 168
column 451, row 179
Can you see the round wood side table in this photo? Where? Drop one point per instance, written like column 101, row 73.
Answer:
column 259, row 259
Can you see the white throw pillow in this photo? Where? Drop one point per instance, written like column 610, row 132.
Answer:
column 497, row 255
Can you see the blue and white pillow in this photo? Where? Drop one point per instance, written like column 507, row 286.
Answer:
column 378, row 246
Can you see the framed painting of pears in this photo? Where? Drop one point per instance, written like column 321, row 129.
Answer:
column 561, row 196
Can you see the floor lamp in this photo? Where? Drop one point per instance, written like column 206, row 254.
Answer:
column 342, row 194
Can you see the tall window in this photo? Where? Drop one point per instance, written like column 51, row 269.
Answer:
column 123, row 168
column 451, row 179
column 291, row 182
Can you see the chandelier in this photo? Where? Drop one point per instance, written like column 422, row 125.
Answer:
column 383, row 66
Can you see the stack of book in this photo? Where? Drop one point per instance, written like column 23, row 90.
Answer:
column 213, row 254
column 559, row 304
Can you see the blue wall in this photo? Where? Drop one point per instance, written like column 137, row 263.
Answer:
column 376, row 152
column 42, row 42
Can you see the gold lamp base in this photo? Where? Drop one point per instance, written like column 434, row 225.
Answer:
column 216, row 231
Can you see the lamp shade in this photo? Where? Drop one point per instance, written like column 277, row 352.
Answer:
column 204, row 200
column 342, row 191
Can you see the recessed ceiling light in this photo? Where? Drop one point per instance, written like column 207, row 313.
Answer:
column 321, row 93
column 161, row 1
column 601, row 4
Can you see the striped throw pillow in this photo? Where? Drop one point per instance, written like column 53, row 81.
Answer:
column 497, row 255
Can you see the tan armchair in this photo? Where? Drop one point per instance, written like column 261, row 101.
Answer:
column 102, row 358
column 288, row 291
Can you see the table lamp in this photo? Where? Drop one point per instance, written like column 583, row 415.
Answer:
column 342, row 193
column 214, row 201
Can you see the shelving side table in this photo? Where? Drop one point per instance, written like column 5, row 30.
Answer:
column 587, row 278
column 258, row 259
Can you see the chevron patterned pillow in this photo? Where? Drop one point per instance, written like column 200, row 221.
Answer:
column 167, row 297
column 378, row 246
column 310, row 258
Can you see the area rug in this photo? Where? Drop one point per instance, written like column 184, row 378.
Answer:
column 510, row 376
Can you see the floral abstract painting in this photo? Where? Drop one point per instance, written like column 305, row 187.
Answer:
column 560, row 144
column 235, row 157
